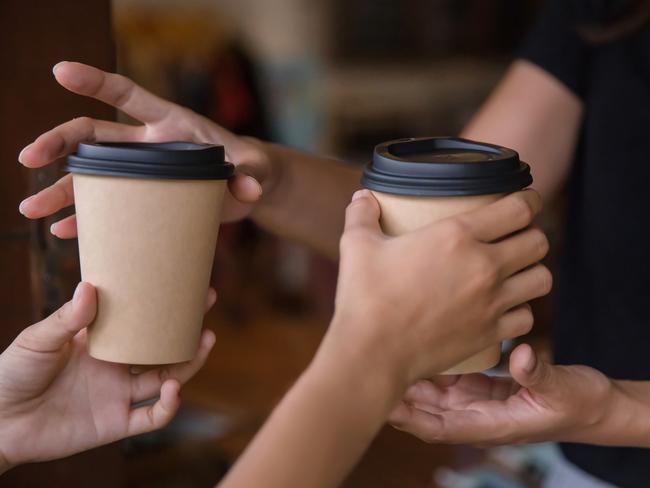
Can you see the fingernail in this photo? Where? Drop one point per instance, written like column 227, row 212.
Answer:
column 211, row 339
column 53, row 229
column 360, row 194
column 77, row 296
column 530, row 363
column 20, row 156
column 56, row 66
column 257, row 183
column 21, row 207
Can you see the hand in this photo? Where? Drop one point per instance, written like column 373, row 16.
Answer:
column 162, row 121
column 541, row 402
column 416, row 304
column 55, row 400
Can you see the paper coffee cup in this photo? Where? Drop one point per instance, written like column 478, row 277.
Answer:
column 419, row 181
column 148, row 217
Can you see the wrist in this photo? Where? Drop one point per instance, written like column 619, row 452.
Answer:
column 598, row 419
column 626, row 421
column 618, row 416
column 366, row 394
column 362, row 362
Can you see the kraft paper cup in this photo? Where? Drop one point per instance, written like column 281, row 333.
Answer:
column 420, row 181
column 148, row 219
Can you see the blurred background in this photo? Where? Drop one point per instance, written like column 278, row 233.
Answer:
column 329, row 76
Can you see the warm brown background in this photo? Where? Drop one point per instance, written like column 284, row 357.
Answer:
column 274, row 297
column 34, row 35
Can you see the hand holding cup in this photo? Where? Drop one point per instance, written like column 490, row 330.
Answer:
column 406, row 312
column 56, row 400
column 160, row 121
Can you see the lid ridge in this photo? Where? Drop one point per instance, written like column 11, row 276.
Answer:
column 160, row 160
column 444, row 166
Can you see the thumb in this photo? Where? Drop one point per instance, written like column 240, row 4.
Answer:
column 531, row 372
column 52, row 333
column 245, row 188
column 363, row 212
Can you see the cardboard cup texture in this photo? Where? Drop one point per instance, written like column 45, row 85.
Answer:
column 402, row 214
column 147, row 245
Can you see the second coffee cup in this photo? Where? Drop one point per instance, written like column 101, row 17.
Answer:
column 148, row 217
column 419, row 181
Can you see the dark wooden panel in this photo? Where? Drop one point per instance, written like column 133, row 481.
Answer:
column 34, row 35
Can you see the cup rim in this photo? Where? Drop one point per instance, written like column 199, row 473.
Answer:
column 159, row 160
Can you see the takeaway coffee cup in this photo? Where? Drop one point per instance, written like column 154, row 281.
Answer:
column 419, row 181
column 148, row 219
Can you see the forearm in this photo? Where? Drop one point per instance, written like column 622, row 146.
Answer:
column 530, row 111
column 305, row 198
column 535, row 114
column 319, row 430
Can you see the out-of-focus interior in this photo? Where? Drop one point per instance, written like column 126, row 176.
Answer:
column 333, row 77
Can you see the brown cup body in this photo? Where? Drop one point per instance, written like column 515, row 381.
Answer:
column 147, row 245
column 402, row 214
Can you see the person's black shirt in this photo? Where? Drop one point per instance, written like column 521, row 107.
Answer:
column 603, row 285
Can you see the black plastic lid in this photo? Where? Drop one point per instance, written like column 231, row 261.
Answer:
column 445, row 166
column 163, row 160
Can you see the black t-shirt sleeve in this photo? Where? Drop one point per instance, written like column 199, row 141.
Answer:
column 555, row 46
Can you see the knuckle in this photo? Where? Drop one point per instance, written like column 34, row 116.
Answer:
column 26, row 337
column 541, row 242
column 125, row 89
column 85, row 126
column 61, row 192
column 83, row 121
column 455, row 233
column 485, row 271
column 507, row 324
column 526, row 321
column 523, row 208
column 60, row 315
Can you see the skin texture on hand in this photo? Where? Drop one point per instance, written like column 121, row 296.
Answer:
column 56, row 400
column 420, row 311
column 161, row 121
column 385, row 333
column 541, row 402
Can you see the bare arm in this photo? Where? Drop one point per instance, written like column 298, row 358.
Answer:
column 305, row 197
column 540, row 403
column 320, row 429
column 529, row 111
column 625, row 420
column 373, row 349
column 535, row 114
